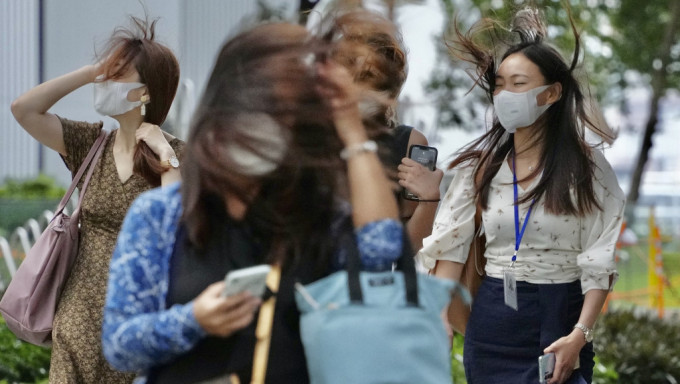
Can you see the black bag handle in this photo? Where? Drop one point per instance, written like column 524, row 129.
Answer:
column 405, row 263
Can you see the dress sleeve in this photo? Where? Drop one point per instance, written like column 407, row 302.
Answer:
column 78, row 139
column 138, row 332
column 454, row 225
column 600, row 230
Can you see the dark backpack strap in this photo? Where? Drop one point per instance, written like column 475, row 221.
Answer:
column 406, row 264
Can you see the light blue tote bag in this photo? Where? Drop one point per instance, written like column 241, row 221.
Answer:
column 365, row 327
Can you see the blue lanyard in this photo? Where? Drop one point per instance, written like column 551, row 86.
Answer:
column 518, row 233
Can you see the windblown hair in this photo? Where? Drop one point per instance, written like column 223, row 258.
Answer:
column 266, row 75
column 566, row 159
column 158, row 69
column 371, row 48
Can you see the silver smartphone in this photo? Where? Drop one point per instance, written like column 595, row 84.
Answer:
column 251, row 279
column 546, row 366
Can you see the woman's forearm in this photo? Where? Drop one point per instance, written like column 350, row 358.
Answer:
column 419, row 226
column 30, row 109
column 371, row 194
column 592, row 306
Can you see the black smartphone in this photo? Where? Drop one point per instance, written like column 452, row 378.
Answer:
column 427, row 156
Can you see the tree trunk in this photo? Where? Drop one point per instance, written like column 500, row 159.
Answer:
column 659, row 82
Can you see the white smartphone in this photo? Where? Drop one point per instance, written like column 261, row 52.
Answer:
column 546, row 366
column 251, row 279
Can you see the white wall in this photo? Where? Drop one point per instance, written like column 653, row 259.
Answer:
column 18, row 72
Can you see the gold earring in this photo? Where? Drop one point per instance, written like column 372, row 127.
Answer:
column 144, row 99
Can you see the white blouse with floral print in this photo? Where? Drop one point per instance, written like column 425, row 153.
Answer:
column 554, row 249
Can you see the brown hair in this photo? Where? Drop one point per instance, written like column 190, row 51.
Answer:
column 265, row 74
column 158, row 69
column 371, row 48
column 565, row 160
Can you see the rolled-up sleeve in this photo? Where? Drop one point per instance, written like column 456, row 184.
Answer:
column 454, row 225
column 600, row 230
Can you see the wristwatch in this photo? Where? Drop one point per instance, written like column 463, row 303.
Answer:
column 172, row 162
column 587, row 332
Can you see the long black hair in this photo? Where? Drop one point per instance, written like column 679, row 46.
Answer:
column 565, row 159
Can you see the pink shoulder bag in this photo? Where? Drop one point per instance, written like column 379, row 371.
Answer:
column 30, row 302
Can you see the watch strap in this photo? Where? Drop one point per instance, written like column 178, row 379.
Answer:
column 587, row 332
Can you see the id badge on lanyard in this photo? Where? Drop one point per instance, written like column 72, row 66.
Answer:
column 510, row 288
column 509, row 278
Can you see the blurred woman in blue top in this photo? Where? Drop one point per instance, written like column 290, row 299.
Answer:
column 276, row 157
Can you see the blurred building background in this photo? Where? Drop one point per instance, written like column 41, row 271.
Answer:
column 41, row 40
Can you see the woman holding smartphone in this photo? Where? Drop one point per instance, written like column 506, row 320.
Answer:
column 371, row 48
column 279, row 169
column 551, row 211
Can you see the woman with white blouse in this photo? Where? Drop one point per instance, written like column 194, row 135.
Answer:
column 551, row 211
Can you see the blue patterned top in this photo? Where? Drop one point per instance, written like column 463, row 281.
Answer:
column 139, row 332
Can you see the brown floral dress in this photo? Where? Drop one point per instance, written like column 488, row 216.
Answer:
column 76, row 350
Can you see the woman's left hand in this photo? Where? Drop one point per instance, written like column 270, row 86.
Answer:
column 566, row 351
column 152, row 135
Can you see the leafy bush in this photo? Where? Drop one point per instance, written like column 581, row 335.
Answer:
column 21, row 362
column 457, row 369
column 641, row 347
column 24, row 199
column 42, row 187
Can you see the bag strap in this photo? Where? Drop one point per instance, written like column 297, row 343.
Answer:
column 405, row 262
column 263, row 331
column 94, row 152
column 475, row 240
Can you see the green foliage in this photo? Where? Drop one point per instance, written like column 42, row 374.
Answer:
column 24, row 199
column 616, row 37
column 41, row 187
column 642, row 348
column 639, row 32
column 457, row 369
column 603, row 373
column 21, row 362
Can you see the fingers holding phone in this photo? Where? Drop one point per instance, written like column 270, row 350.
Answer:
column 221, row 316
column 418, row 174
column 546, row 367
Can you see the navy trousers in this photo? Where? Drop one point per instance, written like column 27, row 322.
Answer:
column 503, row 345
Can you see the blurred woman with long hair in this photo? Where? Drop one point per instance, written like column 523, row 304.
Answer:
column 279, row 169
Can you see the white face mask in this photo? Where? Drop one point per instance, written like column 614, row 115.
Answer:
column 271, row 142
column 518, row 110
column 110, row 97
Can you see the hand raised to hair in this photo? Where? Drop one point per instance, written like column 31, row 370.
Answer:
column 152, row 135
column 222, row 316
column 419, row 180
column 337, row 85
